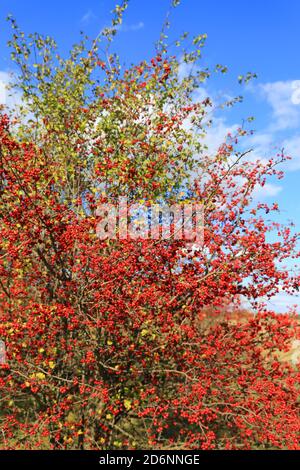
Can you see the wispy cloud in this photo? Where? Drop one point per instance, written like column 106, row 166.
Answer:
column 125, row 28
column 88, row 17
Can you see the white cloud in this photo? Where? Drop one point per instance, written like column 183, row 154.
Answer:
column 2, row 92
column 292, row 148
column 9, row 98
column 282, row 301
column 4, row 80
column 185, row 69
column 262, row 145
column 268, row 190
column 283, row 131
column 217, row 133
column 268, row 144
column 261, row 140
column 281, row 96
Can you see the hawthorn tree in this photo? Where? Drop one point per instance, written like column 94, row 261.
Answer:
column 119, row 343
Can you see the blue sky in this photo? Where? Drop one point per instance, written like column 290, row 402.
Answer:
column 252, row 35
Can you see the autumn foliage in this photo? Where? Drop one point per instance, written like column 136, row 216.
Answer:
column 136, row 344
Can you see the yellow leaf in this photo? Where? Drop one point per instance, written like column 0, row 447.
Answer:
column 71, row 418
column 127, row 404
column 40, row 375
